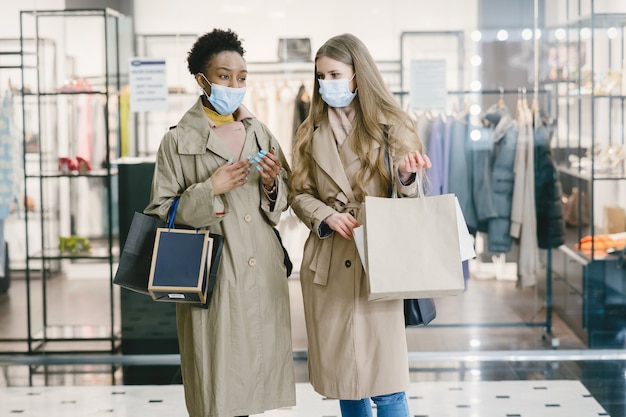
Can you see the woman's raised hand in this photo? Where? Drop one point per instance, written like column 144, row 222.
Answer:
column 230, row 176
column 412, row 163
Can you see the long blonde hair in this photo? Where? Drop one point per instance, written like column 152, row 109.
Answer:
column 378, row 118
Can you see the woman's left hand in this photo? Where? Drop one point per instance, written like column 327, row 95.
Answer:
column 270, row 167
column 412, row 163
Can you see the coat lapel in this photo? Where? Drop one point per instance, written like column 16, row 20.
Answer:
column 196, row 136
column 218, row 146
column 325, row 154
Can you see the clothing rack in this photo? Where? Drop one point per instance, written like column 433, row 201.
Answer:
column 501, row 92
column 547, row 324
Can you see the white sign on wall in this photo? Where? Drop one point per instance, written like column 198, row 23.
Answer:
column 148, row 84
column 428, row 84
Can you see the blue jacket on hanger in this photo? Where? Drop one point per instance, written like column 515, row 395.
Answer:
column 505, row 132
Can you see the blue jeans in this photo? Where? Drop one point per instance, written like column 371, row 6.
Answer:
column 388, row 405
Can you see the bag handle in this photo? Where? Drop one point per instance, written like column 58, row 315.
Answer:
column 392, row 192
column 172, row 214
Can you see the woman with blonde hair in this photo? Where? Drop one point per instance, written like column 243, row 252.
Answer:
column 356, row 141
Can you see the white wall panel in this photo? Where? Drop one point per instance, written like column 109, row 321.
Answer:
column 10, row 16
column 379, row 24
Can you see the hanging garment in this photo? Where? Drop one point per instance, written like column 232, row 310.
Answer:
column 481, row 147
column 9, row 168
column 460, row 173
column 9, row 165
column 439, row 145
column 523, row 215
column 548, row 191
column 424, row 123
column 439, row 154
column 505, row 132
column 301, row 108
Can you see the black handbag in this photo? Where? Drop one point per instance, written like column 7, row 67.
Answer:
column 133, row 271
column 421, row 311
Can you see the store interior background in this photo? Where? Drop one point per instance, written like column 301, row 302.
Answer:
column 494, row 315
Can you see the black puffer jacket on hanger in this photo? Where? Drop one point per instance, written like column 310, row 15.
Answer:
column 548, row 191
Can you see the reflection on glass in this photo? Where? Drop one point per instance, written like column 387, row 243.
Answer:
column 476, row 60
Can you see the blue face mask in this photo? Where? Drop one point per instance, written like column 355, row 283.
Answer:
column 336, row 93
column 225, row 100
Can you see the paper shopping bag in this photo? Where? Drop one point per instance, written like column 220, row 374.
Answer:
column 181, row 266
column 411, row 247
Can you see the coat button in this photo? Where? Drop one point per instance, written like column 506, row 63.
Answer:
column 252, row 262
column 348, row 263
column 247, row 218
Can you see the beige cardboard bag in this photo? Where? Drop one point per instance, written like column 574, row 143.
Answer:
column 411, row 247
column 614, row 219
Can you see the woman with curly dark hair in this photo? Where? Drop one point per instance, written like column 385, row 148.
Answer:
column 230, row 176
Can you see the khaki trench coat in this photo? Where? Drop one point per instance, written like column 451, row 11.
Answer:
column 356, row 348
column 236, row 356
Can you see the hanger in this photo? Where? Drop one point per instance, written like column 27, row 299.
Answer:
column 534, row 107
column 525, row 100
column 464, row 111
column 501, row 98
column 454, row 108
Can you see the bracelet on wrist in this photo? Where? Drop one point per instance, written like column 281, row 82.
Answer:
column 270, row 190
column 271, row 193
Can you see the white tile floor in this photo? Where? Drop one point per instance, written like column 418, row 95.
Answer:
column 426, row 399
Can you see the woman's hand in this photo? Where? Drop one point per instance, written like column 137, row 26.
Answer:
column 230, row 176
column 269, row 167
column 342, row 223
column 412, row 163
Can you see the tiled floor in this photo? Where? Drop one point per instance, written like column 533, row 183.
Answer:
column 486, row 354
column 433, row 399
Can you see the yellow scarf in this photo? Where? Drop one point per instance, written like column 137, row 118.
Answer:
column 219, row 119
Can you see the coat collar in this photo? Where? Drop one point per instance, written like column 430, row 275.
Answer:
column 324, row 152
column 195, row 133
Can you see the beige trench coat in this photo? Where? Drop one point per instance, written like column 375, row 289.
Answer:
column 236, row 356
column 356, row 348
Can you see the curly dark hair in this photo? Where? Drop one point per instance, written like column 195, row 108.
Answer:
column 211, row 44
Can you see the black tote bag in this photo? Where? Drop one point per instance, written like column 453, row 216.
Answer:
column 133, row 271
column 419, row 312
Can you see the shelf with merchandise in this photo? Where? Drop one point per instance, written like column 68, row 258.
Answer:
column 95, row 173
column 72, row 108
column 96, row 250
column 586, row 69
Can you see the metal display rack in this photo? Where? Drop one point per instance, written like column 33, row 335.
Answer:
column 589, row 48
column 65, row 78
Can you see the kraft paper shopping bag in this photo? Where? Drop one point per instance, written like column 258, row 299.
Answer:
column 411, row 247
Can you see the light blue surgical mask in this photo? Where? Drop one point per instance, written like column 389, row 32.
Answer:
column 225, row 100
column 336, row 93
